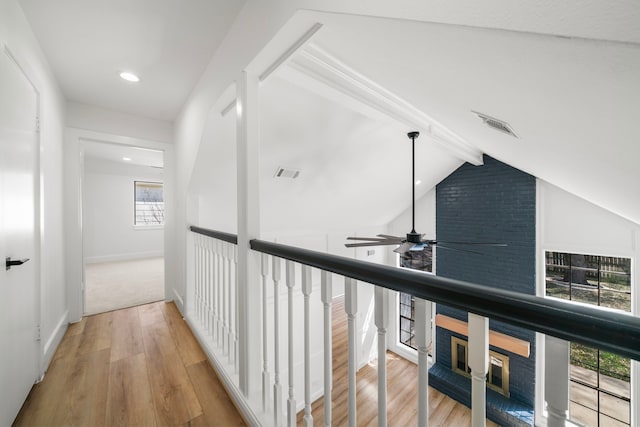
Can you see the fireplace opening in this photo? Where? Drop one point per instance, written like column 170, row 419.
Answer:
column 498, row 375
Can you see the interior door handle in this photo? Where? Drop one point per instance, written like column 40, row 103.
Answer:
column 10, row 263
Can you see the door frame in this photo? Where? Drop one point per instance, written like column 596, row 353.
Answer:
column 74, row 185
column 29, row 74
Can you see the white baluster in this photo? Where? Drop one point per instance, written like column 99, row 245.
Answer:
column 291, row 401
column 479, row 364
column 207, row 266
column 211, row 284
column 382, row 321
column 236, row 310
column 229, row 296
column 556, row 380
column 423, row 339
column 351, row 308
column 218, row 291
column 326, row 295
column 225, row 296
column 198, row 277
column 277, row 387
column 264, row 272
column 306, row 291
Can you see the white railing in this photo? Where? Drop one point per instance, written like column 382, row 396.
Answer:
column 300, row 334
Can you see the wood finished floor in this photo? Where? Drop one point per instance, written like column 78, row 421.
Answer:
column 402, row 389
column 139, row 366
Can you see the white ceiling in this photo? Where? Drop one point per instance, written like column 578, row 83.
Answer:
column 575, row 103
column 168, row 43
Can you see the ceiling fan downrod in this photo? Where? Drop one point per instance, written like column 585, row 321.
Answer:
column 413, row 236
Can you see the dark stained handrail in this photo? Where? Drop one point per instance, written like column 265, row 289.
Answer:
column 593, row 326
column 220, row 235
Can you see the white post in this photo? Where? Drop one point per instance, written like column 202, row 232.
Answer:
column 479, row 364
column 248, row 190
column 382, row 321
column 265, row 344
column 277, row 387
column 556, row 380
column 423, row 340
column 326, row 295
column 306, row 291
column 230, row 291
column 236, row 311
column 196, row 259
column 351, row 308
column 291, row 401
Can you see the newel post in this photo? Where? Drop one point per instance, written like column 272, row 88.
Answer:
column 248, row 189
column 556, row 380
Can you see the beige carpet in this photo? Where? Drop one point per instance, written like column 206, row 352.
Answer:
column 114, row 285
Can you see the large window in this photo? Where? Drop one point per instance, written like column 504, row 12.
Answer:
column 600, row 388
column 149, row 203
column 416, row 260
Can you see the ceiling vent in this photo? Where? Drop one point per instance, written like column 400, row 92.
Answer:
column 496, row 124
column 286, row 173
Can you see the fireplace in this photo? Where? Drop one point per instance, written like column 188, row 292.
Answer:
column 489, row 203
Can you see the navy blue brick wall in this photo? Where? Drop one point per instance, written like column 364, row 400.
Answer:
column 490, row 203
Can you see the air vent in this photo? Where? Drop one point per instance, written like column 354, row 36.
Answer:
column 496, row 124
column 286, row 173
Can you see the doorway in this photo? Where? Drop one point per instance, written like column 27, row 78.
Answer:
column 123, row 226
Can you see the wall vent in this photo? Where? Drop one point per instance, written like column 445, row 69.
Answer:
column 496, row 124
column 286, row 173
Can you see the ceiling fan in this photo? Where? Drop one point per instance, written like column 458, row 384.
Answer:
column 413, row 241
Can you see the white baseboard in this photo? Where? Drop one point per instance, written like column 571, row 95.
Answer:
column 179, row 301
column 52, row 343
column 123, row 257
column 241, row 403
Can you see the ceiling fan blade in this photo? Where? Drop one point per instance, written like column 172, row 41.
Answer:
column 357, row 245
column 387, row 236
column 459, row 250
column 372, row 239
column 404, row 248
column 438, row 242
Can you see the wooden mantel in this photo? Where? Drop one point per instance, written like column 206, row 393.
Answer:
column 496, row 339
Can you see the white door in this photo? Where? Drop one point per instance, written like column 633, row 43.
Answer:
column 18, row 286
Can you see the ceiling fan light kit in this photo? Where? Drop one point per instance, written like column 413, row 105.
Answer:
column 414, row 241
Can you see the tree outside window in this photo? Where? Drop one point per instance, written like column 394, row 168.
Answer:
column 149, row 203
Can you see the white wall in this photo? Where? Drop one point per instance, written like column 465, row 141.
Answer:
column 568, row 223
column 16, row 33
column 109, row 233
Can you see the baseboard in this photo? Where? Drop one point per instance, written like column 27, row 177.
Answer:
column 51, row 345
column 123, row 257
column 238, row 398
column 179, row 301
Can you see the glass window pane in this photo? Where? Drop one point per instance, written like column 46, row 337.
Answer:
column 582, row 415
column 616, row 408
column 583, row 395
column 610, row 422
column 615, row 299
column 615, row 373
column 584, row 293
column 557, row 281
column 584, row 364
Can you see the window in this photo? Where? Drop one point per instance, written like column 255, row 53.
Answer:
column 498, row 375
column 149, row 203
column 600, row 387
column 416, row 260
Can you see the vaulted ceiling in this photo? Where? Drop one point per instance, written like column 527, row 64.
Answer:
column 573, row 102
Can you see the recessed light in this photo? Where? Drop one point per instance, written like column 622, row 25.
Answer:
column 126, row 159
column 130, row 77
column 418, row 182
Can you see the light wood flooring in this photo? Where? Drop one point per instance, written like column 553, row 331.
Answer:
column 402, row 389
column 139, row 366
